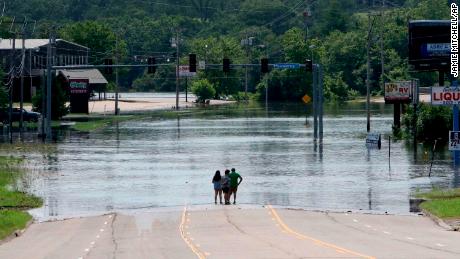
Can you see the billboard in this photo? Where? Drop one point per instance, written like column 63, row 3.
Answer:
column 454, row 140
column 429, row 44
column 398, row 92
column 445, row 95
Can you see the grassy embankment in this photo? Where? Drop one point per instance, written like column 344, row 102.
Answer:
column 444, row 204
column 13, row 201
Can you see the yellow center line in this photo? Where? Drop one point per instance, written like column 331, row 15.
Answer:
column 316, row 241
column 190, row 244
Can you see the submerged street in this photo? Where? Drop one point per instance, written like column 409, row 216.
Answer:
column 152, row 162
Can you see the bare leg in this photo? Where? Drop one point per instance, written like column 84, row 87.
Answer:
column 220, row 196
column 234, row 196
column 215, row 196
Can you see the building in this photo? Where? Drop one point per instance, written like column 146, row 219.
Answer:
column 65, row 53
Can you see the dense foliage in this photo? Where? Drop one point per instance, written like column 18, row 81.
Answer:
column 432, row 122
column 331, row 32
column 203, row 90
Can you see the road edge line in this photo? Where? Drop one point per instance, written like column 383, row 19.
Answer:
column 302, row 236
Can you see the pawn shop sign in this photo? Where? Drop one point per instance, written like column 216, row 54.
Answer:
column 306, row 98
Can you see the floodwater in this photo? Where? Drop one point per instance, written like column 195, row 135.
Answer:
column 152, row 163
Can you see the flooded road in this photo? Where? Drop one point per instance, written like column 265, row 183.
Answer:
column 161, row 163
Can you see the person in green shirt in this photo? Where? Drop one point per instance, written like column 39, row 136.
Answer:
column 235, row 180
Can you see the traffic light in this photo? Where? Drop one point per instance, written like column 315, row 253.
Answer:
column 308, row 65
column 226, row 65
column 151, row 68
column 108, row 62
column 264, row 65
column 192, row 62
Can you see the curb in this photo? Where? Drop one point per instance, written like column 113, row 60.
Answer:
column 439, row 221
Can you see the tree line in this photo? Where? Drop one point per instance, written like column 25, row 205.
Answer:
column 333, row 33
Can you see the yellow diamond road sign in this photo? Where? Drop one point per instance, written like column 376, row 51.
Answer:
column 306, row 98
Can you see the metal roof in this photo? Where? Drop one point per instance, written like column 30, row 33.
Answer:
column 94, row 75
column 6, row 44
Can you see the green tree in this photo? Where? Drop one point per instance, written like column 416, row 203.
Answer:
column 59, row 99
column 97, row 36
column 203, row 89
column 433, row 122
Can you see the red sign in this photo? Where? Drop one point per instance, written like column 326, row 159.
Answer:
column 78, row 86
column 398, row 92
column 445, row 95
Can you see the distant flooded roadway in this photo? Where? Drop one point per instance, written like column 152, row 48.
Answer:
column 170, row 162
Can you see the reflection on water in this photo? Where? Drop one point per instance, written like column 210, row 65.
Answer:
column 153, row 163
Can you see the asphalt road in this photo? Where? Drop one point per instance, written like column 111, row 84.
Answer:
column 235, row 232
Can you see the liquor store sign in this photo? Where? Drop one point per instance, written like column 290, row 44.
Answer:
column 78, row 86
column 445, row 95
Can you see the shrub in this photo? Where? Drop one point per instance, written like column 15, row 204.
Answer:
column 433, row 122
column 203, row 90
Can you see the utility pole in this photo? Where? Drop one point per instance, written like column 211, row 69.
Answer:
column 21, row 105
column 315, row 102
column 50, row 58
column 320, row 102
column 246, row 42
column 382, row 58
column 116, row 76
column 177, row 68
column 11, row 86
column 368, row 77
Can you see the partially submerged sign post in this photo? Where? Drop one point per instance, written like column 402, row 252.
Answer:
column 454, row 140
column 397, row 93
column 374, row 140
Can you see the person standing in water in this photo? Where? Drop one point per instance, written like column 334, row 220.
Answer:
column 226, row 187
column 235, row 180
column 217, row 181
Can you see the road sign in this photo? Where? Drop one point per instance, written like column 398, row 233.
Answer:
column 184, row 72
column 445, row 95
column 201, row 65
column 286, row 66
column 374, row 140
column 398, row 92
column 454, row 140
column 306, row 98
